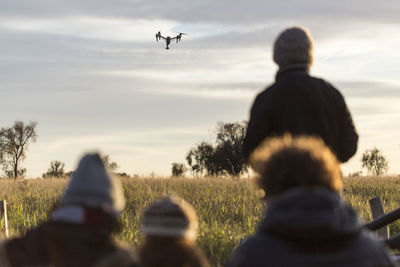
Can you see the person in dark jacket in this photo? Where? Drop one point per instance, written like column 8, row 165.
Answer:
column 300, row 104
column 80, row 231
column 170, row 227
column 307, row 222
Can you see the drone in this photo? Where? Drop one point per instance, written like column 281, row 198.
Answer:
column 168, row 39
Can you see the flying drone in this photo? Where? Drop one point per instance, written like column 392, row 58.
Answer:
column 168, row 39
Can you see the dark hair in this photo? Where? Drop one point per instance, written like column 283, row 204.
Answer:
column 171, row 252
column 287, row 162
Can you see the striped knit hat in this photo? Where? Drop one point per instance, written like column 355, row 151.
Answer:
column 171, row 217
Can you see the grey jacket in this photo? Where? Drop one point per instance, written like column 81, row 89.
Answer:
column 310, row 228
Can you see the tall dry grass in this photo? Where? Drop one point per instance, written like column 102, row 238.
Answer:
column 229, row 210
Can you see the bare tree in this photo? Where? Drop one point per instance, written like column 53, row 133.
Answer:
column 56, row 169
column 225, row 156
column 110, row 165
column 375, row 162
column 178, row 169
column 14, row 142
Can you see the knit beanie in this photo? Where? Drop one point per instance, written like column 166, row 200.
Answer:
column 293, row 46
column 171, row 217
column 92, row 186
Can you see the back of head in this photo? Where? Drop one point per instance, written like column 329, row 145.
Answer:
column 170, row 226
column 93, row 186
column 285, row 163
column 171, row 217
column 293, row 46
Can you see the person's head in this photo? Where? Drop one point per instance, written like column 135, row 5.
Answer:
column 170, row 227
column 93, row 195
column 171, row 217
column 287, row 162
column 293, row 46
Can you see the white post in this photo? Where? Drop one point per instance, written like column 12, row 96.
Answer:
column 377, row 211
column 3, row 213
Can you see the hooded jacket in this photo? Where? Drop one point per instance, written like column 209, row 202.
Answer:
column 302, row 105
column 310, row 228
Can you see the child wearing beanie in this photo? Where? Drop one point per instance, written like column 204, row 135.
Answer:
column 170, row 227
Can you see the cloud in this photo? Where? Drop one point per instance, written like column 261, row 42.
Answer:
column 91, row 72
column 198, row 11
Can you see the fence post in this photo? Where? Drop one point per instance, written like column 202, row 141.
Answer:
column 378, row 210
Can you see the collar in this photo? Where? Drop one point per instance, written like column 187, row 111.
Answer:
column 297, row 69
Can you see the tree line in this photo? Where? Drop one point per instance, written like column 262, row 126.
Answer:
column 221, row 157
column 225, row 156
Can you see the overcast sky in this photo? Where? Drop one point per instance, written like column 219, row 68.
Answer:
column 94, row 78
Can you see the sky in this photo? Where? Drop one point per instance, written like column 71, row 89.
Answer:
column 94, row 78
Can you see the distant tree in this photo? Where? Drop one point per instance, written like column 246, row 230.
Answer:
column 69, row 174
column 223, row 157
column 110, row 165
column 56, row 169
column 355, row 174
column 178, row 169
column 14, row 142
column 375, row 162
column 123, row 174
column 21, row 173
column 229, row 147
column 202, row 159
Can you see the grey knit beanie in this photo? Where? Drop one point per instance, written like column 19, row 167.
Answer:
column 293, row 46
column 171, row 217
column 92, row 186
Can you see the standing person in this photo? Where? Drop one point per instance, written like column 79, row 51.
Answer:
column 80, row 231
column 170, row 228
column 307, row 222
column 300, row 104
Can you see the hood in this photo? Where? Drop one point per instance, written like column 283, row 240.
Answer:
column 310, row 215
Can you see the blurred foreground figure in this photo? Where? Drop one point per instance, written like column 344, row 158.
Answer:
column 300, row 104
column 79, row 232
column 170, row 226
column 306, row 222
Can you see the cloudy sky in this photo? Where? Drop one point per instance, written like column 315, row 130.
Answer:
column 94, row 78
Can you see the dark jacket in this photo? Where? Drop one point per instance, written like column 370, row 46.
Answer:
column 302, row 105
column 310, row 228
column 62, row 244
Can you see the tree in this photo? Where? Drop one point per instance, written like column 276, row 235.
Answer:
column 14, row 142
column 178, row 169
column 225, row 156
column 56, row 169
column 229, row 147
column 375, row 162
column 110, row 165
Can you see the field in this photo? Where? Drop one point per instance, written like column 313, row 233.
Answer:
column 229, row 210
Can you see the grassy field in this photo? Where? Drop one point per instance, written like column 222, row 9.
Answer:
column 229, row 210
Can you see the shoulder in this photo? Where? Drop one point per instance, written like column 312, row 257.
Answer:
column 327, row 86
column 123, row 255
column 264, row 96
column 4, row 262
column 372, row 250
column 258, row 249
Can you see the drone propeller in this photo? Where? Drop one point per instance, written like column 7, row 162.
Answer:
column 183, row 33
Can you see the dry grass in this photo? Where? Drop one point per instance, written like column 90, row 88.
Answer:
column 229, row 210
